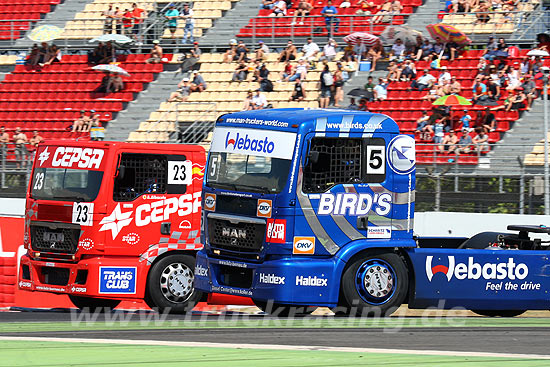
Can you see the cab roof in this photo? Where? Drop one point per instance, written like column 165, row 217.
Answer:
column 167, row 148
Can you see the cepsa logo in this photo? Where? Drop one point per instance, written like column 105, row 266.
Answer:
column 239, row 142
column 153, row 212
column 303, row 246
column 473, row 270
column 210, row 202
column 276, row 231
column 72, row 157
column 264, row 208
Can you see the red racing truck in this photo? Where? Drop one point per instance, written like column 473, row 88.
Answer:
column 109, row 221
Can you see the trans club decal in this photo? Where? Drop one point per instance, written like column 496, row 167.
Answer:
column 264, row 208
column 117, row 279
column 303, row 246
column 505, row 271
column 353, row 204
column 276, row 231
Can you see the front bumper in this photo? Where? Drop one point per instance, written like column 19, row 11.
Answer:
column 303, row 281
column 114, row 277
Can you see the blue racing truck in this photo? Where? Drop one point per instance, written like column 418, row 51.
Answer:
column 306, row 208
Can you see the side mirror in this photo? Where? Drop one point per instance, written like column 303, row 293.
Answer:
column 313, row 156
column 121, row 172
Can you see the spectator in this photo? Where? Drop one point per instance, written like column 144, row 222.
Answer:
column 21, row 153
column 482, row 13
column 383, row 14
column 127, row 21
column 115, row 84
column 409, row 71
column 241, row 72
column 331, row 21
column 197, row 84
column 352, row 105
column 329, row 51
column 43, row 53
column 279, row 9
column 261, row 51
column 514, row 102
column 261, row 75
column 454, row 87
column 425, row 51
column 138, row 16
column 397, row 50
column 231, row 53
column 181, row 95
column 513, row 77
column 196, row 51
column 369, row 87
column 423, row 126
column 487, row 120
column 172, row 15
column 240, row 52
column 493, row 92
column 365, row 7
column 481, row 140
column 338, row 85
column 449, row 143
column 187, row 15
column 259, row 101
column 543, row 40
column 102, row 88
column 530, row 90
column 267, row 4
column 479, row 91
column 465, row 142
column 426, row 81
column 247, row 103
column 97, row 132
column 289, row 53
column 381, row 90
column 310, row 50
column 4, row 140
column 96, row 55
column 118, row 18
column 374, row 54
column 32, row 58
column 109, row 15
column 54, row 55
column 303, row 9
column 299, row 72
column 326, row 84
column 363, row 105
column 35, row 139
column 444, row 76
column 394, row 72
column 438, row 132
column 299, row 93
column 155, row 56
column 465, row 121
column 107, row 53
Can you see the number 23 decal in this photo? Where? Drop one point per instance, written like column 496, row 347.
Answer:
column 180, row 172
column 83, row 213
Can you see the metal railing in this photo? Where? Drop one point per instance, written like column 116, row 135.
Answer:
column 196, row 131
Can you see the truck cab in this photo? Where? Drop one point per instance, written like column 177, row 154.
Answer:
column 109, row 221
column 290, row 196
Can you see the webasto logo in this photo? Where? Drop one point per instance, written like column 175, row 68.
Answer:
column 473, row 270
column 245, row 143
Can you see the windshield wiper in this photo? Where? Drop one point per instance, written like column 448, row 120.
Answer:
column 254, row 187
column 223, row 185
column 78, row 199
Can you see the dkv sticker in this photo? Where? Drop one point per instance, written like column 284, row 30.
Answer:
column 303, row 246
column 264, row 208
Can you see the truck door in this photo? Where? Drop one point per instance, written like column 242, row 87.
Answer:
column 342, row 194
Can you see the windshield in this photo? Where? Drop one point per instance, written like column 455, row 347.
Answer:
column 240, row 172
column 65, row 184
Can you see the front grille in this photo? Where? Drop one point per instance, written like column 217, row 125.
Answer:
column 241, row 237
column 58, row 238
column 55, row 276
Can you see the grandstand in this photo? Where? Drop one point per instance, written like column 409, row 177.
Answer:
column 49, row 100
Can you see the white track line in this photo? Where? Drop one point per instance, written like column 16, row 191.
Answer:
column 278, row 347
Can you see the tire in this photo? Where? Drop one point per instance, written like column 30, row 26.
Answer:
column 170, row 285
column 278, row 309
column 499, row 313
column 92, row 305
column 370, row 298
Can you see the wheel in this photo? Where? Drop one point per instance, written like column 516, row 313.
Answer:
column 92, row 305
column 170, row 284
column 501, row 313
column 375, row 284
column 278, row 309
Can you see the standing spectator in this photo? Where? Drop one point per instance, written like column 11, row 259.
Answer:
column 289, row 53
column 310, row 50
column 426, row 81
column 109, row 15
column 299, row 93
column 138, row 16
column 465, row 142
column 119, row 15
column 530, row 89
column 438, row 132
column 181, row 95
column 369, row 87
column 338, row 85
column 326, row 83
column 352, row 105
column 172, row 14
column 302, row 10
column 449, row 143
column 21, row 153
column 481, row 140
column 329, row 51
column 381, row 90
column 187, row 15
column 259, row 101
column 197, row 84
column 155, row 56
column 4, row 140
column 35, row 139
column 331, row 21
column 261, row 51
column 127, row 19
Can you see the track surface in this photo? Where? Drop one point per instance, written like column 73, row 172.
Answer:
column 526, row 340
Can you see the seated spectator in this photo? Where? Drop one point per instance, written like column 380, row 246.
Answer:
column 394, row 72
column 241, row 52
column 33, row 57
column 349, row 54
column 155, row 56
column 444, row 76
column 182, row 94
column 365, row 7
column 329, row 51
column 425, row 52
column 97, row 131
column 247, row 103
column 465, row 121
column 267, row 4
column 279, row 9
column 97, row 54
column 80, row 123
column 454, row 87
column 261, row 51
column 289, row 53
column 479, row 91
column 261, row 76
column 287, row 71
column 543, row 42
column 352, row 105
column 384, row 13
column 35, row 140
column 197, row 84
column 241, row 72
column 381, row 90
column 326, row 82
column 397, row 50
column 408, row 72
column 426, row 81
column 423, row 126
column 530, row 89
column 487, row 120
column 465, row 142
column 482, row 13
column 21, row 153
column 515, row 101
column 310, row 50
column 369, row 87
column 230, row 54
column 299, row 93
column 481, row 141
column 259, row 101
column 435, row 92
column 513, row 77
column 299, row 71
column 449, row 143
column 115, row 84
column 102, row 88
column 303, row 9
column 452, row 50
column 43, row 53
column 332, row 22
column 375, row 53
column 493, row 92
column 363, row 105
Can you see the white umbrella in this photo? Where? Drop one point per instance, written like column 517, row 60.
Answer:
column 111, row 69
column 537, row 52
column 406, row 34
column 119, row 39
column 45, row 33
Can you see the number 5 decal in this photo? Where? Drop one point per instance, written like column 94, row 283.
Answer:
column 376, row 159
column 83, row 213
column 180, row 172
